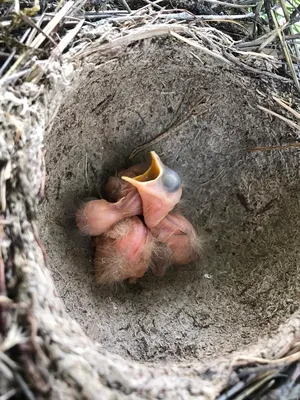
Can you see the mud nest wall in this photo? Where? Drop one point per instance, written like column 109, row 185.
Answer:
column 244, row 201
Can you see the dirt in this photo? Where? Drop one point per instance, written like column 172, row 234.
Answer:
column 245, row 203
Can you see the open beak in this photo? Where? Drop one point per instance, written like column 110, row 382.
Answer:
column 159, row 188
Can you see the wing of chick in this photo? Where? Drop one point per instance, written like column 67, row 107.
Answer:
column 124, row 252
column 98, row 216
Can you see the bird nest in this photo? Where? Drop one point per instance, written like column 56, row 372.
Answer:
column 226, row 327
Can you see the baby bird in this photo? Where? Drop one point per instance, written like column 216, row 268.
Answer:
column 160, row 190
column 123, row 252
column 134, row 229
column 98, row 216
column 177, row 243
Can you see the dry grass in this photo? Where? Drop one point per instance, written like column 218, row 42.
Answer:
column 257, row 376
column 31, row 36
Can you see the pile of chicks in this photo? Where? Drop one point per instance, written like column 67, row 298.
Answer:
column 136, row 228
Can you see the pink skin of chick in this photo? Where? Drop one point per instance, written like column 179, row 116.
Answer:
column 124, row 252
column 177, row 243
column 98, row 216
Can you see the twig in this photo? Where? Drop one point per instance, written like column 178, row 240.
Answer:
column 290, row 31
column 17, row 6
column 7, row 61
column 118, row 18
column 288, row 347
column 181, row 16
column 247, row 53
column 285, row 11
column 286, row 52
column 66, row 40
column 232, row 391
column 286, row 120
column 8, row 361
column 145, row 32
column 4, row 176
column 126, row 6
column 226, row 4
column 295, row 374
column 3, row 309
column 255, row 42
column 13, row 53
column 288, row 108
column 191, row 17
column 35, row 26
column 257, row 360
column 107, row 13
column 272, row 36
column 153, row 4
column 293, row 36
column 15, row 76
column 34, row 31
column 202, row 48
column 68, row 19
column 18, row 378
column 256, row 18
column 260, row 381
column 24, row 387
column 231, row 57
column 278, row 147
column 9, row 394
column 268, row 4
column 52, row 24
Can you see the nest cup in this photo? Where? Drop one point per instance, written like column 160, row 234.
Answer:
column 246, row 204
column 201, row 117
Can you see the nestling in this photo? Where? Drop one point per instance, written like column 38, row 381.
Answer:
column 177, row 243
column 137, row 229
column 123, row 252
column 160, row 190
column 98, row 216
